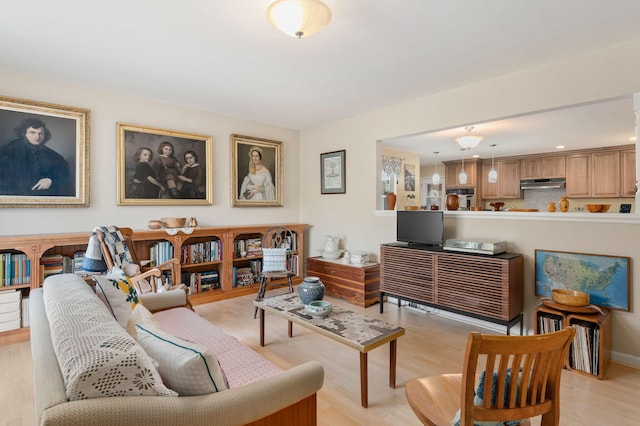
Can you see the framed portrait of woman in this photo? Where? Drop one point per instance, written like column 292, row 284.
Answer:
column 163, row 167
column 256, row 172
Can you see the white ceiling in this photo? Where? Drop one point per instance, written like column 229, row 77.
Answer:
column 224, row 56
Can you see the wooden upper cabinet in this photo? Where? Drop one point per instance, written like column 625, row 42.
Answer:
column 628, row 179
column 605, row 176
column 595, row 175
column 578, row 175
column 508, row 184
column 543, row 167
column 453, row 168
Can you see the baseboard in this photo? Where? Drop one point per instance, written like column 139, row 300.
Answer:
column 630, row 360
column 621, row 358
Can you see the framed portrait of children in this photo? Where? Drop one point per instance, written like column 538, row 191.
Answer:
column 163, row 167
column 44, row 150
column 256, row 172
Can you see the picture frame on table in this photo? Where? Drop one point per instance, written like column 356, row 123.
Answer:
column 605, row 278
column 256, row 172
column 182, row 175
column 333, row 172
column 44, row 152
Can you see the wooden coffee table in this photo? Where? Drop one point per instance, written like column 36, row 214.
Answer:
column 358, row 331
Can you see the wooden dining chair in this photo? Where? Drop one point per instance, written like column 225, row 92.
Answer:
column 278, row 264
column 505, row 379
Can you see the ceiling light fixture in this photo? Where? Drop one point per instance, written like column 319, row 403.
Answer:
column 469, row 140
column 462, row 177
column 493, row 173
column 299, row 18
column 435, row 179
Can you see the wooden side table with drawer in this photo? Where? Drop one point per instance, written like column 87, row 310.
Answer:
column 357, row 284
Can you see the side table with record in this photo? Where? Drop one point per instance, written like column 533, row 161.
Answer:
column 590, row 352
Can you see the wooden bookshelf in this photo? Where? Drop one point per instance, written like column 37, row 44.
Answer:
column 37, row 246
column 590, row 352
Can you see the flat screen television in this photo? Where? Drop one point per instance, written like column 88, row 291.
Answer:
column 423, row 227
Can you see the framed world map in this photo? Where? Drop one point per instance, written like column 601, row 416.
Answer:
column 605, row 278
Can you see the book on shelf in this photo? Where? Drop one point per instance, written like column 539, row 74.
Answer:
column 56, row 264
column 15, row 269
column 254, row 247
column 242, row 277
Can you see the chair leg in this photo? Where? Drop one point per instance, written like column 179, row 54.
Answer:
column 261, row 292
column 290, row 285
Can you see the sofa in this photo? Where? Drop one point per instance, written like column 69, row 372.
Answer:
column 254, row 391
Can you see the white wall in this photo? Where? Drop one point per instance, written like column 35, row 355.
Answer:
column 590, row 77
column 107, row 108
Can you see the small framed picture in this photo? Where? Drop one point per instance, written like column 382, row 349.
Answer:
column 163, row 167
column 44, row 150
column 256, row 172
column 333, row 172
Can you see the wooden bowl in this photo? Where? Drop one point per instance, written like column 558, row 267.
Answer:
column 570, row 297
column 173, row 222
column 597, row 208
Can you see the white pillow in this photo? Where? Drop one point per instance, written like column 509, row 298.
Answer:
column 274, row 259
column 140, row 315
column 185, row 367
column 118, row 295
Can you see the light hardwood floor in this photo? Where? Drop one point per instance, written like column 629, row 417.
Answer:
column 432, row 345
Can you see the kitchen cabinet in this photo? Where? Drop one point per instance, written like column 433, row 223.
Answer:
column 508, row 184
column 628, row 179
column 594, row 175
column 543, row 167
column 579, row 175
column 453, row 168
column 605, row 174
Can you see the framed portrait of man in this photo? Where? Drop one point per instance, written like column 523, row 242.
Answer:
column 256, row 172
column 44, row 152
column 163, row 167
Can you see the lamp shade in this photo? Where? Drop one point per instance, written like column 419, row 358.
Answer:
column 299, row 18
column 462, row 177
column 469, row 140
column 435, row 179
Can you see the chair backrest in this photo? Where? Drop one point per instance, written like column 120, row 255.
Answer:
column 117, row 246
column 521, row 377
column 281, row 237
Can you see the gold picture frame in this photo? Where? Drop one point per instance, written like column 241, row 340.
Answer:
column 261, row 187
column 56, row 137
column 147, row 178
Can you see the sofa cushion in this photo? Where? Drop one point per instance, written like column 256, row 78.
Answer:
column 241, row 364
column 97, row 357
column 118, row 294
column 186, row 367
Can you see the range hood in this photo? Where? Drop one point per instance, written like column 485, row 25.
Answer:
column 556, row 183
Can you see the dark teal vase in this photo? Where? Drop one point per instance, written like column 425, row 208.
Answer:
column 311, row 289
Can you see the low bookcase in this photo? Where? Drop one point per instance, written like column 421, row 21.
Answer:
column 590, row 351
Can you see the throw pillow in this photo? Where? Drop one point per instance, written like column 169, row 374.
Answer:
column 187, row 368
column 118, row 295
column 131, row 270
column 274, row 259
column 139, row 315
column 479, row 400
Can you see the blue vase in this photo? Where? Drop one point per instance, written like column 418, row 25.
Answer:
column 311, row 289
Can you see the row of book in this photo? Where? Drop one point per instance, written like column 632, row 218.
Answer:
column 250, row 247
column 585, row 350
column 201, row 281
column 549, row 323
column 208, row 251
column 15, row 269
column 160, row 252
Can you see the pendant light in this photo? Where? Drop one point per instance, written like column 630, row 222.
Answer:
column 493, row 173
column 299, row 18
column 436, row 176
column 462, row 177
